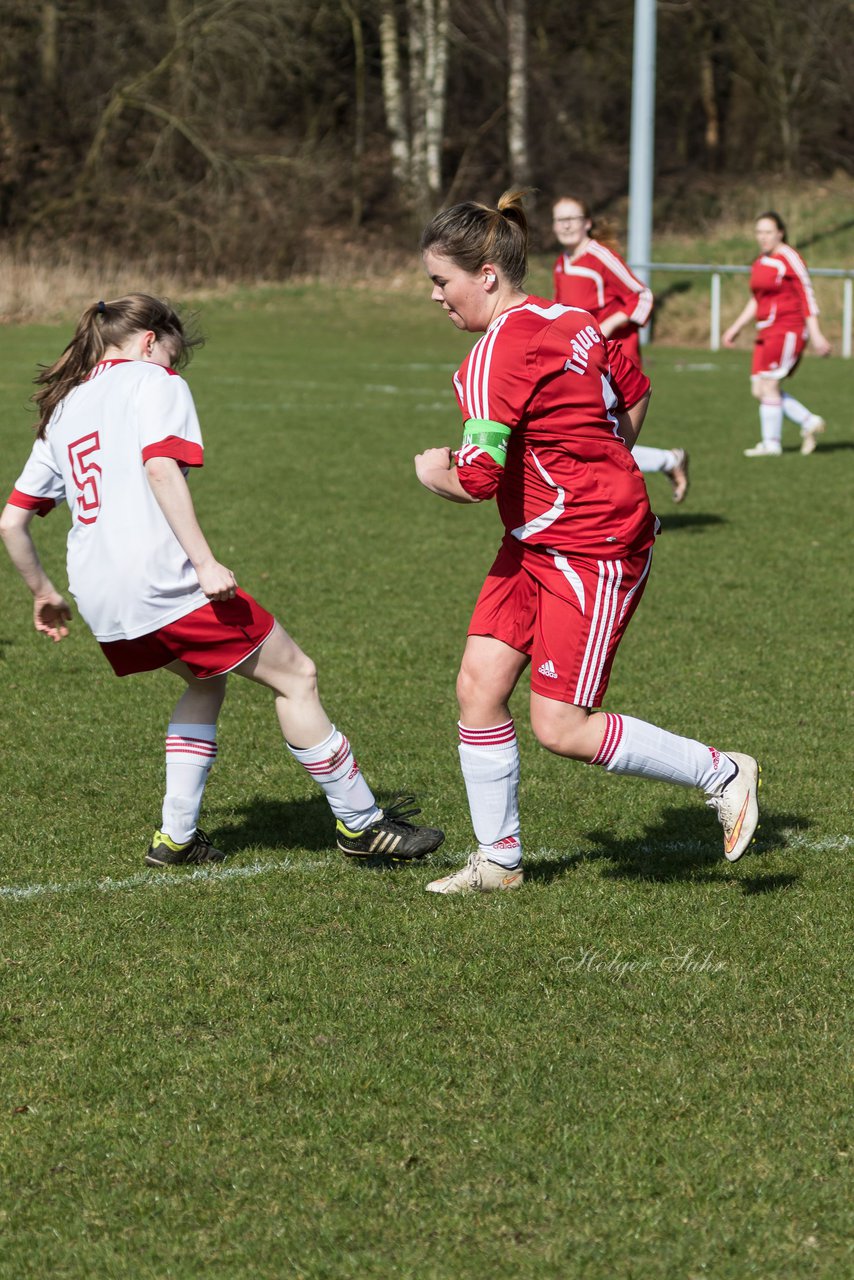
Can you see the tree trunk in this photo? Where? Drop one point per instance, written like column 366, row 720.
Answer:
column 358, row 112
column 517, row 92
column 416, row 125
column 49, row 47
column 418, row 96
column 708, row 97
column 436, row 68
column 394, row 99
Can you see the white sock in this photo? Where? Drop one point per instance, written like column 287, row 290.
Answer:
column 489, row 759
column 647, row 459
column 190, row 752
column 771, row 422
column 794, row 410
column 644, row 751
column 333, row 767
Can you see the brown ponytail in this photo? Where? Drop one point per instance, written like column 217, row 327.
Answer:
column 104, row 325
column 471, row 234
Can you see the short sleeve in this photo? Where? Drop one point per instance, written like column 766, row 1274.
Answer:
column 40, row 486
column 797, row 271
column 168, row 423
column 478, row 473
column 623, row 290
column 630, row 383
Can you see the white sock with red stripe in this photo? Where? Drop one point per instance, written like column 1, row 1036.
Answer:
column 645, row 751
column 771, row 422
column 333, row 767
column 489, row 759
column 190, row 752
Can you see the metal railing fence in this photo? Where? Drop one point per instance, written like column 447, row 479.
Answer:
column 715, row 271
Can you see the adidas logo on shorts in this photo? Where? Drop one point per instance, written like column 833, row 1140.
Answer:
column 548, row 669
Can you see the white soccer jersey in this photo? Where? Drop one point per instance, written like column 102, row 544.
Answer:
column 126, row 569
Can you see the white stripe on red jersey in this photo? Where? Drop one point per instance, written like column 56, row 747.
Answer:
column 799, row 267
column 567, row 483
column 632, row 284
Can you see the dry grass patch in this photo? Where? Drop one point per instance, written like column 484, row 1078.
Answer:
column 37, row 288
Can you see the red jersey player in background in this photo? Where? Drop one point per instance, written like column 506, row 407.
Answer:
column 550, row 410
column 591, row 274
column 117, row 432
column 786, row 314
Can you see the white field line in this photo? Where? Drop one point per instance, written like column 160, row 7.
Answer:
column 154, row 879
column 792, row 841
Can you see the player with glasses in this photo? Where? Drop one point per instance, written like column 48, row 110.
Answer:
column 590, row 273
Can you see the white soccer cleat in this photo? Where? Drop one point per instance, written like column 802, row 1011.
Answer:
column 479, row 875
column 737, row 806
column 813, row 427
column 765, row 449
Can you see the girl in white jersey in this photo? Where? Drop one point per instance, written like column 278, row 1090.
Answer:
column 117, row 432
column 549, row 407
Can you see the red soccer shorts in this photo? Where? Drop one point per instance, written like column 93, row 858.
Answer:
column 211, row 640
column 777, row 352
column 568, row 614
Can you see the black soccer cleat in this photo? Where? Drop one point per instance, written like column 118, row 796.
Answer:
column 164, row 852
column 391, row 837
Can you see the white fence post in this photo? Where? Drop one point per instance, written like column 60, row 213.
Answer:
column 715, row 316
column 717, row 269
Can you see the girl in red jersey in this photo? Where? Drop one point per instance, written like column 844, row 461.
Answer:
column 117, row 432
column 590, row 274
column 784, row 308
column 550, row 410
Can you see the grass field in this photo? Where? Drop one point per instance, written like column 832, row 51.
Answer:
column 638, row 1068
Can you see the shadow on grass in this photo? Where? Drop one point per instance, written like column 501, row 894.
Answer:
column 690, row 520
column 767, row 884
column 286, row 824
column 677, row 847
column 682, row 845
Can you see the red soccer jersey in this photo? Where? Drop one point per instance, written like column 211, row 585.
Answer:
column 781, row 285
column 599, row 281
column 568, row 482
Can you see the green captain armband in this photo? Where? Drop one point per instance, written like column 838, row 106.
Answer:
column 489, row 436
